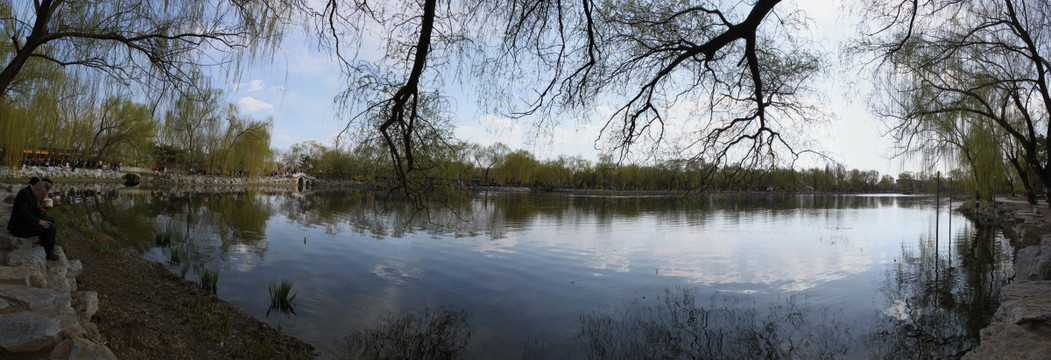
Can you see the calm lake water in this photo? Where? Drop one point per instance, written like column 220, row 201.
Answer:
column 565, row 276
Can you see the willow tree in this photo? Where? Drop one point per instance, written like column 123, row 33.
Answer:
column 156, row 45
column 150, row 42
column 737, row 69
column 122, row 126
column 245, row 145
column 985, row 60
column 190, row 121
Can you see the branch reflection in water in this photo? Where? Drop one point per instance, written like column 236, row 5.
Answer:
column 675, row 325
column 936, row 304
column 442, row 333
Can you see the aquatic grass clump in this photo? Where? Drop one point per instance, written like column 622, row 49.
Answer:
column 163, row 239
column 176, row 256
column 281, row 297
column 209, row 280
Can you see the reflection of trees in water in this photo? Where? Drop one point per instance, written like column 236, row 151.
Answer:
column 677, row 326
column 204, row 226
column 239, row 217
column 364, row 213
column 496, row 214
column 935, row 303
column 436, row 334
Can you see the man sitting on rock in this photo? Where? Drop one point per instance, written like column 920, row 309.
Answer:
column 28, row 218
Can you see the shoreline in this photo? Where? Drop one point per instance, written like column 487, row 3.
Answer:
column 144, row 311
column 1019, row 328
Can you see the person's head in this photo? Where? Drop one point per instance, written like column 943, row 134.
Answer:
column 42, row 187
column 34, row 180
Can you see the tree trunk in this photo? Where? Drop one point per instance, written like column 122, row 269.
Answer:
column 44, row 10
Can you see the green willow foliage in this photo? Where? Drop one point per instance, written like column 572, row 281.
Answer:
column 75, row 74
column 58, row 116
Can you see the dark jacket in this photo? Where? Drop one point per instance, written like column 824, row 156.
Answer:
column 26, row 214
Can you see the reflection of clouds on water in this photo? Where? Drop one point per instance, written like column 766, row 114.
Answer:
column 394, row 275
column 608, row 259
column 898, row 310
column 242, row 257
column 779, row 250
column 494, row 247
column 788, row 270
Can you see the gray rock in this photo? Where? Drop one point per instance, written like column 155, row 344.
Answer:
column 1029, row 234
column 75, row 267
column 1033, row 263
column 31, row 256
column 86, row 303
column 26, row 331
column 60, row 268
column 10, row 199
column 1025, row 302
column 71, row 326
column 81, row 349
column 43, row 301
column 11, row 242
column 21, row 276
column 1021, row 327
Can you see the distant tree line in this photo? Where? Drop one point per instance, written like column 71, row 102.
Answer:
column 498, row 165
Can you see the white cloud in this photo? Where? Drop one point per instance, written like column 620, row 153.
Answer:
column 251, row 86
column 251, row 104
column 255, row 85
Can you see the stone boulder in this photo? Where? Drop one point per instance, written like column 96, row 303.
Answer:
column 1033, row 263
column 41, row 313
column 39, row 300
column 1021, row 327
column 86, row 303
column 27, row 331
column 33, row 256
column 21, row 276
column 81, row 349
column 11, row 242
column 1029, row 233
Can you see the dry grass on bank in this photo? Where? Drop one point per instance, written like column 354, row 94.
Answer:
column 147, row 312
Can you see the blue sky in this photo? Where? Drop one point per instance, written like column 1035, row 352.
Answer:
column 297, row 90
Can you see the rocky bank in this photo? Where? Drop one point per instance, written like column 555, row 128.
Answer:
column 1021, row 327
column 108, row 175
column 42, row 314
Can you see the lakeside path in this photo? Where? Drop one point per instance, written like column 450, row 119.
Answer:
column 1021, row 327
column 147, row 312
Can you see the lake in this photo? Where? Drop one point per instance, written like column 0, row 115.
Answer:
column 512, row 275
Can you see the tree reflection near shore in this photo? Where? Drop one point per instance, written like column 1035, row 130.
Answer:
column 931, row 300
column 936, row 303
column 442, row 333
column 674, row 325
column 677, row 326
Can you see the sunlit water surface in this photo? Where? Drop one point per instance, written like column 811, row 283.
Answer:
column 565, row 276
